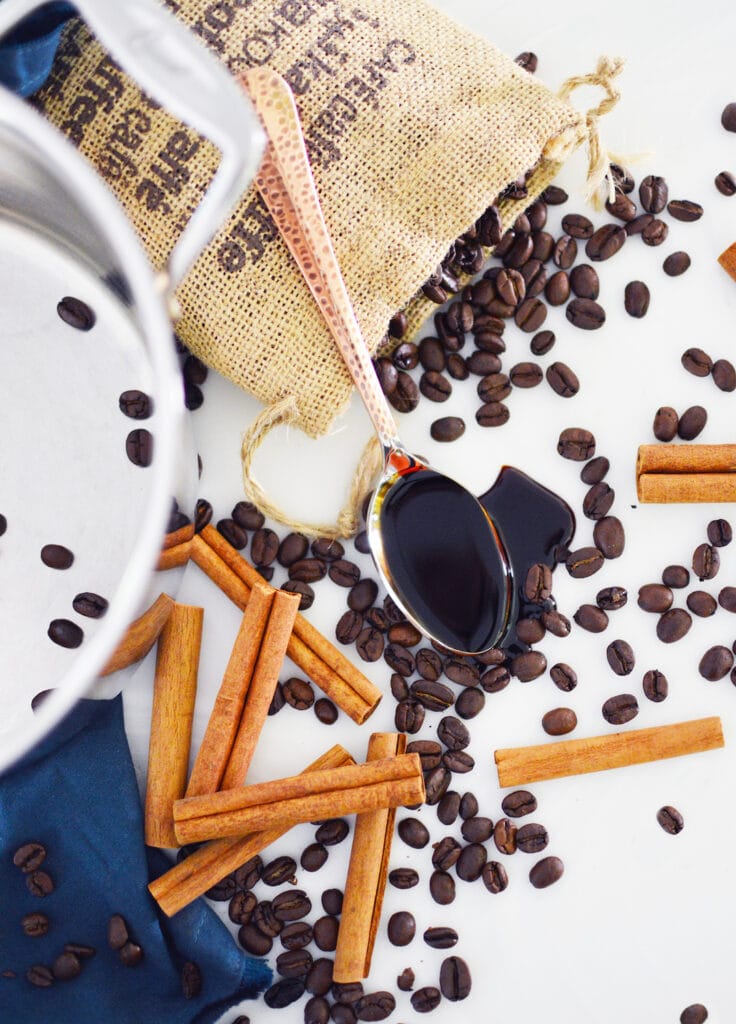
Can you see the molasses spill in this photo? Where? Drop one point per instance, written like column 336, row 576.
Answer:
column 444, row 560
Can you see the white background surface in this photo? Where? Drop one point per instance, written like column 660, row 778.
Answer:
column 641, row 924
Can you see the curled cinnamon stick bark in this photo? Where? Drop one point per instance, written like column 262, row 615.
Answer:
column 686, row 472
column 366, row 880
column 174, row 693
column 141, row 635
column 175, row 556
column 208, row 865
column 389, row 782
column 727, row 259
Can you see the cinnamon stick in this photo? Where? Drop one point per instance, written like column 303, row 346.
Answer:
column 263, row 684
column 671, row 488
column 727, row 259
column 141, row 635
column 366, row 879
column 214, row 752
column 389, row 782
column 174, row 692
column 308, row 648
column 686, row 473
column 208, row 865
column 177, row 537
column 518, row 766
column 174, row 556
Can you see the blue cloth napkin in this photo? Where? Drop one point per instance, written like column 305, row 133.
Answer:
column 76, row 794
column 27, row 54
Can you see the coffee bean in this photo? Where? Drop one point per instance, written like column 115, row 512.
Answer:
column 692, row 422
column 405, row 396
column 363, row 595
column 29, row 857
column 557, row 289
column 413, row 832
column 597, row 503
column 430, row 753
column 608, row 533
column 304, row 570
column 538, row 583
column 654, row 597
column 510, row 287
column 446, row 853
column 532, row 838
column 716, row 663
column 76, row 313
column 369, row 644
column 233, row 534
column 284, row 993
column 556, row 623
column 562, row 380
column 223, row 890
column 620, row 657
column 492, row 414
column 298, row 693
column 347, row 993
column 39, row 883
column 401, row 928
column 621, row 207
column 559, row 721
column 637, row 225
column 477, row 830
column 504, row 836
column 655, row 233
column 528, row 666
column 519, row 803
column 494, row 387
column 553, row 195
column 494, row 877
column 724, row 375
column 526, row 375
column 676, row 576
column 349, row 627
column 577, row 226
column 530, row 631
column 375, row 1006
column 265, row 546
column 636, row 299
column 584, row 562
column 241, row 907
column 254, row 941
column 726, row 183
column 468, row 806
column 595, row 470
column 676, row 263
column 292, row 549
column 247, row 516
column 448, row 807
column 406, row 355
column 653, row 193
column 546, row 872
column 131, row 954
column 576, row 443
column 565, row 252
column 584, row 282
column 655, row 685
column 135, row 404
column 665, row 423
column 191, row 980
column 431, row 355
column 426, row 999
column 265, row 920
column 442, row 887
column 530, row 315
column 306, row 594
column 448, row 428
column 591, row 618
column 435, row 386
column 694, row 1014
column 620, row 709
column 611, row 598
column 701, row 604
column 313, row 857
column 697, row 362
column 495, row 679
column 455, row 980
column 706, row 562
column 564, row 677
column 294, row 963
column 684, row 209
column 139, row 447
column 470, row 703
column 35, row 925
column 605, row 242
column 404, row 981
column 528, row 61
column 409, row 716
column 458, row 761
column 434, row 696
column 673, row 625
column 586, row 314
column 278, row 871
column 403, row 878
column 453, row 733
column 727, row 598
column 40, row 975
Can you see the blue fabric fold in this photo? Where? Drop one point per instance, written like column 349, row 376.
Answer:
column 77, row 795
column 26, row 55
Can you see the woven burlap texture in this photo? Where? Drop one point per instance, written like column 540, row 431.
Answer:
column 413, row 126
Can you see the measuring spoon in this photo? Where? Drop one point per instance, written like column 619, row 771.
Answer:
column 437, row 550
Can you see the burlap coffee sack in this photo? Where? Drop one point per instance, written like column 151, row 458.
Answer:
column 413, row 126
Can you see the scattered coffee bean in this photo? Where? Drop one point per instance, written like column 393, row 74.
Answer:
column 369, row 644
column 598, row 501
column 470, row 703
column 673, row 625
column 586, row 314
column 254, row 941
column 313, row 857
column 655, row 685
column 39, row 883
column 559, row 721
column 622, row 207
column 716, row 663
column 526, row 375
column 696, row 1013
column 40, row 975
column 442, row 887
column 34, row 925
column 247, row 516
column 636, row 299
column 676, row 576
column 608, row 534
column 139, row 447
column 724, row 375
column 584, row 282
column 553, row 195
column 298, row 693
column 542, row 342
column 504, row 836
column 528, row 666
column 653, row 193
column 403, row 878
column 655, row 597
column 564, row 677
column 610, row 599
column 706, row 562
column 655, row 233
column 76, row 313
column 671, row 820
column 576, row 443
column 494, row 877
column 241, row 907
column 532, row 838
column 701, row 604
column 726, row 183
column 605, row 242
column 519, row 803
column 191, row 980
column 530, row 631
column 684, row 209
column 692, row 422
column 556, row 623
column 405, row 395
column 413, row 832
column 666, row 423
column 29, row 857
column 620, row 657
column 562, row 380
column 697, row 362
column 620, row 709
column 233, row 533
column 284, row 993
column 65, row 633
column 546, row 872
column 455, row 980
column 591, row 617
column 426, row 999
column 401, row 928
column 676, row 263
column 595, row 470
column 448, row 807
column 131, row 954
column 637, row 225
column 445, row 853
column 448, row 428
column 727, row 599
column 584, row 562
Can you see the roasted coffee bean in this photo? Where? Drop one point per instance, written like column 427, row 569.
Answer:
column 584, row 562
column 532, row 838
column 374, row 1006
column 620, row 657
column 676, row 263
column 553, row 195
column 488, row 341
column 684, row 209
column 538, row 583
column 445, row 853
column 556, row 623
column 697, row 362
column 724, row 375
column 298, row 693
column 565, row 252
column 670, row 819
column 136, row 405
column 284, row 993
column 263, row 550
column 399, row 659
column 653, row 193
column 546, row 872
column 727, row 598
column 304, row 570
column 349, row 627
column 247, row 516
column 241, row 907
column 482, row 363
column 637, row 225
column 233, row 534
column 363, row 595
column 519, row 803
column 405, row 396
column 692, row 422
column 413, row 832
column 673, row 625
column 665, row 424
column 404, row 633
column 401, row 928
column 131, row 954
column 442, row 887
column 403, row 878
column 440, row 937
column 586, row 314
column 504, row 836
column 139, row 447
column 494, row 877
column 726, row 183
column 29, row 857
column 296, row 935
column 528, row 61
column 434, row 293
column 564, row 677
column 655, row 685
column 576, row 443
column 426, row 999
column 40, row 975
column 636, row 299
column 494, row 387
column 397, row 325
column 305, row 592
column 510, row 287
column 605, row 242
column 458, row 761
column 562, row 380
column 528, row 666
column 447, row 428
column 254, row 941
column 292, row 549
column 34, row 925
column 430, row 753
column 294, row 963
column 621, row 207
column 461, row 671
column 453, row 733
column 557, row 289
column 468, row 806
column 313, row 857
column 542, row 342
column 39, row 883
column 706, row 562
column 409, row 716
column 448, row 807
column 526, row 375
column 701, row 604
column 434, row 696
column 477, row 829
column 611, row 598
column 470, row 703
column 584, row 282
column 520, row 251
column 435, row 386
column 428, row 664
column 249, row 873
column 277, row 701
column 492, row 414
column 496, row 678
column 716, row 663
column 347, row 993
column 223, row 890
column 620, row 709
column 332, row 901
column 608, row 533
column 193, row 396
column 90, row 605
column 406, row 355
column 530, row 315
column 576, row 225
column 592, row 618
column 332, row 831
column 676, row 576
column 655, row 597
column 543, row 245
column 655, row 233
column 559, row 721
column 622, row 179
column 265, row 920
column 76, row 313
column 325, row 933
column 278, row 871
column 191, row 980
column 369, row 644
column 432, row 355
column 696, row 1013
column 316, row 1011
column 65, row 633
column 455, row 980
column 405, row 980
column 530, row 631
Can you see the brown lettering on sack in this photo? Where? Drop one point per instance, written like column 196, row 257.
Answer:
column 95, row 96
column 298, row 12
column 127, row 134
column 217, row 18
column 248, row 237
